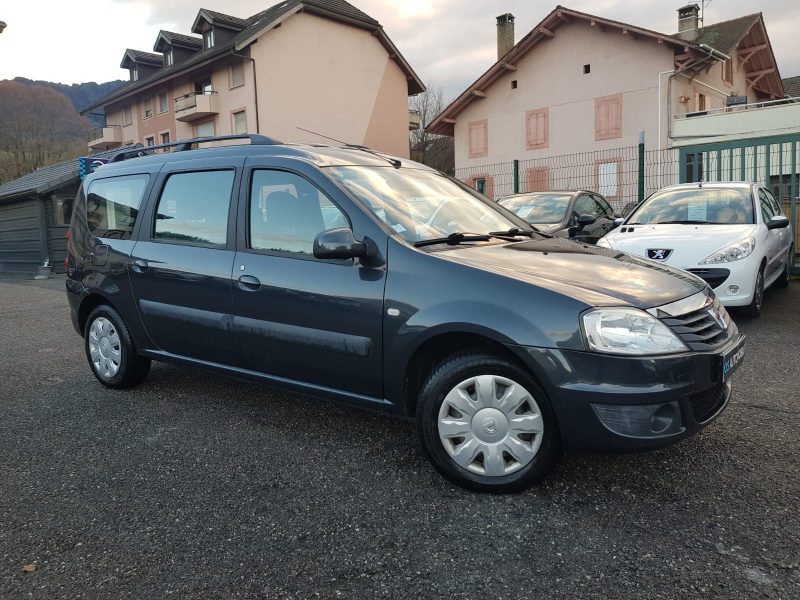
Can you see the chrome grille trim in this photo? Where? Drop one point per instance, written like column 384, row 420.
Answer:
column 694, row 320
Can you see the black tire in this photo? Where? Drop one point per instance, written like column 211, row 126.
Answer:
column 783, row 281
column 132, row 368
column 444, row 378
column 753, row 309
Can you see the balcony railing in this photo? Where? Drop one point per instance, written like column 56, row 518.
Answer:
column 102, row 131
column 739, row 108
column 195, row 105
column 759, row 119
column 189, row 100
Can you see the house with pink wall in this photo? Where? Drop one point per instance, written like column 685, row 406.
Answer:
column 320, row 65
column 582, row 83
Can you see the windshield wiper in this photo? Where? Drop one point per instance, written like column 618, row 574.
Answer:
column 516, row 231
column 455, row 238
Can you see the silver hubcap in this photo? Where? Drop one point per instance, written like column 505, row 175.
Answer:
column 490, row 425
column 104, row 348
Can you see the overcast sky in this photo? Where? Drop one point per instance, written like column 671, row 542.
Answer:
column 448, row 42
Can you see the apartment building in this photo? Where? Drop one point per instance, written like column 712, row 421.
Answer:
column 323, row 65
column 582, row 83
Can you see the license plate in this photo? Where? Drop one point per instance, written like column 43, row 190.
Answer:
column 732, row 359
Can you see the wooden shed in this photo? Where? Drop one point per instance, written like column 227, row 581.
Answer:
column 34, row 217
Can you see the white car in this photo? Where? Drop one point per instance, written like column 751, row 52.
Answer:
column 732, row 235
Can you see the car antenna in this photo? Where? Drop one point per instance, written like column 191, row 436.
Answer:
column 392, row 161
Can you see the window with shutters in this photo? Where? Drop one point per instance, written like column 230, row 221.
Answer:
column 608, row 178
column 608, row 117
column 483, row 184
column 538, row 179
column 479, row 138
column 537, row 129
column 727, row 71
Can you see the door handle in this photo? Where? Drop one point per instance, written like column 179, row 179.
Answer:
column 248, row 283
column 140, row 265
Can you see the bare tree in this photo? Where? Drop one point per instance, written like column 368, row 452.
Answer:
column 433, row 150
column 38, row 127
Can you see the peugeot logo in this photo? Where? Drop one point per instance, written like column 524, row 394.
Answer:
column 658, row 253
column 489, row 424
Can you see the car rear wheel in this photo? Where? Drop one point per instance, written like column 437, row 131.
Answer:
column 110, row 350
column 754, row 308
column 485, row 424
column 783, row 280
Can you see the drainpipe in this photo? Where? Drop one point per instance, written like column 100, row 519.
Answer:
column 255, row 85
column 661, row 99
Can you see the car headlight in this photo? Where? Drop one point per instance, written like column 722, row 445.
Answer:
column 603, row 243
column 628, row 331
column 736, row 251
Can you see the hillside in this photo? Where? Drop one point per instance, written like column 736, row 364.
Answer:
column 80, row 95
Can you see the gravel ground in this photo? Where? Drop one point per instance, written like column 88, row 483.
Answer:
column 194, row 486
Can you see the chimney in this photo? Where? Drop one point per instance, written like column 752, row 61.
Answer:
column 505, row 34
column 688, row 22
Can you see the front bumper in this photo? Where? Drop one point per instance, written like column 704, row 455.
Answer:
column 617, row 404
column 738, row 284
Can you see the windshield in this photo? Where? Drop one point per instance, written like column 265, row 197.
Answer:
column 422, row 205
column 718, row 206
column 545, row 209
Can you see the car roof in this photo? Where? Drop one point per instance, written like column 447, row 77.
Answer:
column 716, row 184
column 523, row 194
column 317, row 154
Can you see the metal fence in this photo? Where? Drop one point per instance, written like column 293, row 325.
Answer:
column 627, row 175
column 623, row 175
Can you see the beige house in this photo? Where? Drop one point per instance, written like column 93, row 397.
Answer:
column 581, row 83
column 322, row 65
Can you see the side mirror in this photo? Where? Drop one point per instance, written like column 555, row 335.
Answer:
column 619, row 221
column 585, row 220
column 338, row 244
column 778, row 222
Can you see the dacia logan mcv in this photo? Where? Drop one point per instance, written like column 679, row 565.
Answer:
column 375, row 281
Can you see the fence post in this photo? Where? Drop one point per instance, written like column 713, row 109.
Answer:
column 641, row 165
column 516, row 176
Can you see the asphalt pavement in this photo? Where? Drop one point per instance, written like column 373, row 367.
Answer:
column 194, row 486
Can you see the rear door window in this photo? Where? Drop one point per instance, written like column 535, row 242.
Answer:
column 193, row 208
column 112, row 205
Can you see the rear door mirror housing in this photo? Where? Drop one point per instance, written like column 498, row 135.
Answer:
column 619, row 221
column 338, row 244
column 585, row 220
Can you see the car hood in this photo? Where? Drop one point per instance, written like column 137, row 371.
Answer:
column 689, row 244
column 597, row 276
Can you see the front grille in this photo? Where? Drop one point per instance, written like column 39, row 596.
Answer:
column 698, row 329
column 713, row 277
column 707, row 403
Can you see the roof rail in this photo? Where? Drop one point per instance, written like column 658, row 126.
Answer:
column 183, row 145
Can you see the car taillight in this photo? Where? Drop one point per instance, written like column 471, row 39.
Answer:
column 69, row 249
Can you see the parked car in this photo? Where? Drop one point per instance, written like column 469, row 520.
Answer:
column 326, row 271
column 733, row 235
column 579, row 214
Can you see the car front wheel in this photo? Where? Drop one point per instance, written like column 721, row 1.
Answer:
column 110, row 350
column 485, row 424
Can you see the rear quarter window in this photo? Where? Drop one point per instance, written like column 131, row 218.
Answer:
column 112, row 205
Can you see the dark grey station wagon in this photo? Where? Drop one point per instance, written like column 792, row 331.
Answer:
column 348, row 275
